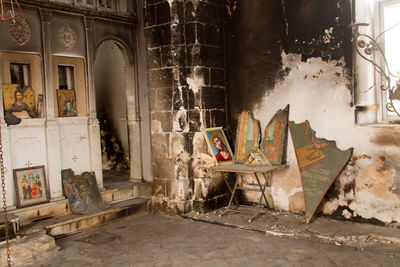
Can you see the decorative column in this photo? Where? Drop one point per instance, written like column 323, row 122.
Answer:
column 133, row 125
column 53, row 135
column 94, row 127
column 143, row 95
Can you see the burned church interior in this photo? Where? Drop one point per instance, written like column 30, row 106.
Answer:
column 207, row 132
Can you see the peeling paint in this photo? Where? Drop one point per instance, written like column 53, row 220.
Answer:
column 181, row 166
column 373, row 197
column 318, row 91
column 199, row 148
column 315, row 100
column 370, row 196
column 180, row 121
column 328, row 35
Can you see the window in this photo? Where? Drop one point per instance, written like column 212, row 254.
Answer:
column 66, row 78
column 377, row 61
column 390, row 31
column 20, row 74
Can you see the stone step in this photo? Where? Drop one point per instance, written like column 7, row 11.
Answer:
column 73, row 223
column 60, row 207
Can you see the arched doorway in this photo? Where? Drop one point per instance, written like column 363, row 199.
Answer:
column 112, row 92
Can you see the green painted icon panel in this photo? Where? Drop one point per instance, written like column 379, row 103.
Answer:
column 319, row 161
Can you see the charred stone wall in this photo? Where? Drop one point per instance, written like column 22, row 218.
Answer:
column 186, row 65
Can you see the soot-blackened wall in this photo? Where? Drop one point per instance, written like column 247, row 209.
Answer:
column 258, row 31
column 185, row 52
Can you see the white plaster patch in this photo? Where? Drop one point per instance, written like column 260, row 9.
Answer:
column 180, row 123
column 290, row 60
column 199, row 144
column 370, row 196
column 204, row 187
column 347, row 214
column 201, row 117
column 281, row 197
column 196, row 81
column 368, row 206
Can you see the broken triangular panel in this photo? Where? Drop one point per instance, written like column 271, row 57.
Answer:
column 273, row 143
column 247, row 136
column 319, row 161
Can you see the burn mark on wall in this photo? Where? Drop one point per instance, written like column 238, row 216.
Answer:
column 318, row 28
column 254, row 40
column 259, row 30
column 387, row 137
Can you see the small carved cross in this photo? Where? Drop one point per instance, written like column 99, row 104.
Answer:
column 28, row 164
column 75, row 158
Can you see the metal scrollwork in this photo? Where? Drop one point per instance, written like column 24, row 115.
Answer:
column 367, row 47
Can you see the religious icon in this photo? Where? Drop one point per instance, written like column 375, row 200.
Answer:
column 31, row 186
column 82, row 192
column 218, row 145
column 66, row 103
column 20, row 102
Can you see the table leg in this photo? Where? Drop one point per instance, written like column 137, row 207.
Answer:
column 230, row 189
column 232, row 196
column 262, row 189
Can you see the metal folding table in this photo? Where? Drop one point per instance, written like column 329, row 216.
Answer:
column 258, row 172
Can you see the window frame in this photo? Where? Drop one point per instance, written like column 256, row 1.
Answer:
column 66, row 66
column 21, row 72
column 373, row 14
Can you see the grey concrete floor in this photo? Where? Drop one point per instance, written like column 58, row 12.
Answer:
column 155, row 240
